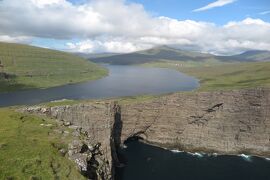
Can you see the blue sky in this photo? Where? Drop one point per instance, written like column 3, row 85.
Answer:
column 92, row 26
column 182, row 9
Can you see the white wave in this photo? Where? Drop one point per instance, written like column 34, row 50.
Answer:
column 198, row 154
column 268, row 159
column 176, row 151
column 195, row 154
column 246, row 157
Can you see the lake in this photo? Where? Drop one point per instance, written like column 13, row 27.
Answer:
column 121, row 81
column 146, row 162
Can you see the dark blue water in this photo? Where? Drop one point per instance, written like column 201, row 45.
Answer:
column 145, row 162
column 121, row 81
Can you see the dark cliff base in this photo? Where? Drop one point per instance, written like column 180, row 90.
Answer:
column 225, row 122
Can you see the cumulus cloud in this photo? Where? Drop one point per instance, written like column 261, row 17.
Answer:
column 218, row 3
column 15, row 39
column 119, row 26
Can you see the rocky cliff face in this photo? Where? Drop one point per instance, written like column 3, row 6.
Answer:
column 92, row 148
column 228, row 122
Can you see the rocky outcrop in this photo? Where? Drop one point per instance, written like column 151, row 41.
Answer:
column 228, row 122
column 91, row 146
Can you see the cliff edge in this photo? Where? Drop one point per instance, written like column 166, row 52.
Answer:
column 226, row 122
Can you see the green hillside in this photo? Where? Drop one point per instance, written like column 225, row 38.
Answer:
column 165, row 53
column 30, row 148
column 249, row 56
column 214, row 76
column 153, row 55
column 24, row 67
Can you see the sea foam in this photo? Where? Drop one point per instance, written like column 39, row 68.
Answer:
column 246, row 157
column 176, row 151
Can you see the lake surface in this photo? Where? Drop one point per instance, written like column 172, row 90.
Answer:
column 121, row 81
column 145, row 162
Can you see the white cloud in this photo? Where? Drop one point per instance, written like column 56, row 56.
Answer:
column 218, row 3
column 118, row 26
column 108, row 45
column 264, row 12
column 42, row 3
column 13, row 39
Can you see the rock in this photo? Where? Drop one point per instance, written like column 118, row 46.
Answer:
column 44, row 110
column 227, row 122
column 63, row 152
column 224, row 122
column 84, row 148
column 3, row 145
column 67, row 123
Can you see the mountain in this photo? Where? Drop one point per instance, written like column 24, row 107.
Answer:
column 168, row 53
column 154, row 54
column 253, row 55
column 95, row 55
column 24, row 67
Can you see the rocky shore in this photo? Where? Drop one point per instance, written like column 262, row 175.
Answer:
column 226, row 122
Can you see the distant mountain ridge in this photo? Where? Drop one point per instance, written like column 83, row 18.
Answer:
column 168, row 53
column 253, row 55
column 94, row 55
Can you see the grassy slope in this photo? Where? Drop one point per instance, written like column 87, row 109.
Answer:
column 225, row 76
column 30, row 151
column 32, row 67
column 154, row 55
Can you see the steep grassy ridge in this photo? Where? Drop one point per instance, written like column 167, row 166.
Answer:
column 29, row 148
column 32, row 67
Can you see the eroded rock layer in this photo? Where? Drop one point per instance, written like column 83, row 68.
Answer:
column 92, row 147
column 228, row 122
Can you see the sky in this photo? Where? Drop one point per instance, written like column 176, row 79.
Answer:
column 220, row 27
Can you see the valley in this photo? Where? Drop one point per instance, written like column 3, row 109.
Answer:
column 81, row 136
column 134, row 90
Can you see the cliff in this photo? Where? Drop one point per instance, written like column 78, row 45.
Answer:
column 227, row 122
column 91, row 147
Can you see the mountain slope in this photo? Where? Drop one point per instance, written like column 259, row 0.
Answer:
column 155, row 54
column 170, row 54
column 24, row 67
column 253, row 55
column 95, row 55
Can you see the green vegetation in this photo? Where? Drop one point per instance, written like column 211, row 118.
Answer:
column 154, row 55
column 120, row 100
column 165, row 53
column 223, row 76
column 184, row 64
column 29, row 148
column 24, row 67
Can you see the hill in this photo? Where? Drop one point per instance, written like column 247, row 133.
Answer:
column 165, row 53
column 95, row 55
column 249, row 56
column 155, row 54
column 34, row 148
column 24, row 67
column 224, row 76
